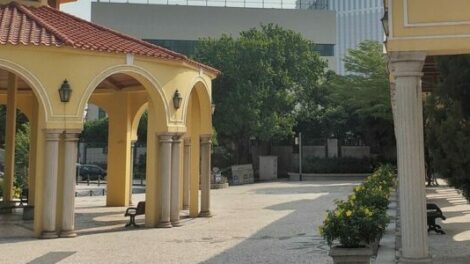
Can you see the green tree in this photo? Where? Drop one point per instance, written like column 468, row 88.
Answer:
column 357, row 104
column 22, row 155
column 267, row 75
column 95, row 131
column 447, row 126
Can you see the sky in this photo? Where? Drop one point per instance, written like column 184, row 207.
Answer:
column 81, row 8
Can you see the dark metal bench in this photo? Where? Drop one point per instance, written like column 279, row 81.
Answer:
column 434, row 212
column 132, row 212
column 24, row 197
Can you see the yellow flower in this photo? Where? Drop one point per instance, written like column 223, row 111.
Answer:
column 337, row 213
column 348, row 213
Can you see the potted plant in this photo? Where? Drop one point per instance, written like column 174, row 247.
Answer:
column 353, row 229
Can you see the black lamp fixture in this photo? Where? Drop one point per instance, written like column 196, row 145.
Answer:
column 177, row 99
column 65, row 91
column 385, row 19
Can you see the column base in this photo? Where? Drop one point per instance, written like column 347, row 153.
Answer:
column 165, row 224
column 205, row 214
column 185, row 207
column 68, row 234
column 403, row 260
column 176, row 223
column 49, row 235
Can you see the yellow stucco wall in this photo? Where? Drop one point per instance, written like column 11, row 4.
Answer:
column 436, row 27
column 45, row 68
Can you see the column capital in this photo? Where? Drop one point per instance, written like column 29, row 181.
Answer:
column 406, row 64
column 187, row 141
column 52, row 134
column 165, row 137
column 206, row 139
column 177, row 138
column 72, row 135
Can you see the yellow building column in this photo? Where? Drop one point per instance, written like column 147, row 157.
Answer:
column 49, row 192
column 69, row 167
column 175, row 181
column 33, row 144
column 205, row 175
column 10, row 131
column 407, row 68
column 186, row 172
column 165, row 174
column 119, row 152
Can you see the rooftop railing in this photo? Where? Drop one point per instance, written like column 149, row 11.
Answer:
column 278, row 4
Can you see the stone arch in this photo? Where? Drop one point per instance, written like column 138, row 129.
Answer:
column 136, row 120
column 44, row 103
column 145, row 78
column 199, row 88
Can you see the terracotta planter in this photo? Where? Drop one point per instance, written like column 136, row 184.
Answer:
column 351, row 255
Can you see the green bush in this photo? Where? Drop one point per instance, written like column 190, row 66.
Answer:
column 362, row 218
column 337, row 165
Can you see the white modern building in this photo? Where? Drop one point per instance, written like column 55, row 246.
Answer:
column 356, row 21
column 179, row 27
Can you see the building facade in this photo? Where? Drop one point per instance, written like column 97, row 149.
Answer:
column 356, row 21
column 179, row 27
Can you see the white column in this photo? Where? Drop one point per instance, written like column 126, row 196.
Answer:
column 68, row 205
column 51, row 167
column 205, row 175
column 10, row 135
column 175, row 181
column 407, row 67
column 186, row 172
column 165, row 175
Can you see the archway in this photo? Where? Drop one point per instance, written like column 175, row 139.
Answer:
column 124, row 96
column 22, row 119
column 197, row 142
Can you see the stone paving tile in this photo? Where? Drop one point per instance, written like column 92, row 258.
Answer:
column 453, row 247
column 259, row 223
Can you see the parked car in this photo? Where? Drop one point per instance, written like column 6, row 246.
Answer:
column 92, row 171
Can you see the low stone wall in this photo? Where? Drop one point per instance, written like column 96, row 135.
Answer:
column 327, row 176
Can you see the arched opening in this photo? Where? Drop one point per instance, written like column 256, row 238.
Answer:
column 21, row 116
column 199, row 124
column 123, row 97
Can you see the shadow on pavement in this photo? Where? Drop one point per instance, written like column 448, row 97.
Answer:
column 293, row 238
column 453, row 247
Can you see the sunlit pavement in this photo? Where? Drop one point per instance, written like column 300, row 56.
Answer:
column 259, row 223
column 453, row 247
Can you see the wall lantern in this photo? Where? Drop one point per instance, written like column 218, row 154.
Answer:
column 65, row 91
column 177, row 98
column 385, row 19
column 385, row 23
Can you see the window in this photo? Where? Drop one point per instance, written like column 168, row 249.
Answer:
column 325, row 49
column 186, row 47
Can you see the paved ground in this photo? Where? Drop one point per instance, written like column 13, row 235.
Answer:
column 257, row 223
column 453, row 247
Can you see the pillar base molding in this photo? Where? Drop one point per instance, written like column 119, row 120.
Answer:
column 49, row 235
column 185, row 207
column 176, row 223
column 164, row 225
column 68, row 234
column 426, row 260
column 205, row 214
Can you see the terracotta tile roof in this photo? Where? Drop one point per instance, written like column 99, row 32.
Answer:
column 28, row 25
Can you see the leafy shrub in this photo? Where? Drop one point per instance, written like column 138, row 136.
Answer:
column 338, row 165
column 362, row 218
